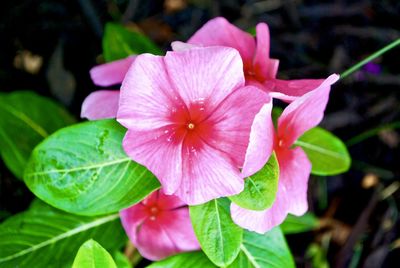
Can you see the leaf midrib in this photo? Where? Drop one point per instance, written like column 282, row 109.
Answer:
column 24, row 118
column 319, row 149
column 62, row 236
column 249, row 256
column 99, row 165
column 220, row 229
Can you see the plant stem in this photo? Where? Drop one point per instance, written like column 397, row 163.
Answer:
column 369, row 58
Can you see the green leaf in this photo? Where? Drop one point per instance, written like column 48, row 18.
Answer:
column 83, row 169
column 327, row 153
column 26, row 119
column 267, row 250
column 121, row 260
column 91, row 255
column 260, row 189
column 119, row 43
column 47, row 237
column 294, row 224
column 195, row 259
column 218, row 235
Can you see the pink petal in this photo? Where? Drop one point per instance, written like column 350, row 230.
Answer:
column 111, row 73
column 179, row 227
column 208, row 173
column 305, row 112
column 100, row 104
column 291, row 197
column 147, row 97
column 219, row 32
column 168, row 202
column 156, row 151
column 166, row 233
column 232, row 122
column 131, row 218
column 167, row 236
column 153, row 242
column 261, row 141
column 269, row 67
column 289, row 90
column 205, row 76
column 182, row 46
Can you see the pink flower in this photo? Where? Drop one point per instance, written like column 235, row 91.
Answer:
column 189, row 117
column 259, row 68
column 159, row 226
column 104, row 103
column 298, row 117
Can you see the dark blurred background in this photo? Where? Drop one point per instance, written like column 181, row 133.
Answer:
column 49, row 47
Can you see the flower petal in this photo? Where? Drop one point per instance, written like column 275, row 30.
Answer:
column 232, row 122
column 207, row 174
column 147, row 97
column 261, row 141
column 153, row 242
column 111, row 73
column 305, row 112
column 219, row 32
column 289, row 90
column 100, row 104
column 182, row 46
column 291, row 197
column 179, row 227
column 169, row 202
column 159, row 153
column 131, row 218
column 198, row 82
column 268, row 67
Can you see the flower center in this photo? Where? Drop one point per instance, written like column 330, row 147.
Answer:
column 190, row 126
column 153, row 213
column 253, row 73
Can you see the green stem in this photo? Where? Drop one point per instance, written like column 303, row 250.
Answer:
column 370, row 58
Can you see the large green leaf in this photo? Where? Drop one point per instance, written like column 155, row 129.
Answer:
column 294, row 224
column 260, row 189
column 327, row 153
column 92, row 255
column 195, row 259
column 219, row 237
column 83, row 169
column 267, row 250
column 119, row 42
column 26, row 119
column 47, row 237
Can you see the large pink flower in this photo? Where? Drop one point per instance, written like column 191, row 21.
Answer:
column 259, row 68
column 299, row 116
column 104, row 103
column 189, row 117
column 159, row 226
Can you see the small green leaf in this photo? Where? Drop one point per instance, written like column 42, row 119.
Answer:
column 252, row 31
column 26, row 119
column 260, row 189
column 195, row 259
column 219, row 237
column 83, row 169
column 267, row 250
column 47, row 237
column 119, row 43
column 294, row 224
column 121, row 260
column 92, row 255
column 327, row 153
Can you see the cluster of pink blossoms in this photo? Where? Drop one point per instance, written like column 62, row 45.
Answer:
column 199, row 118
